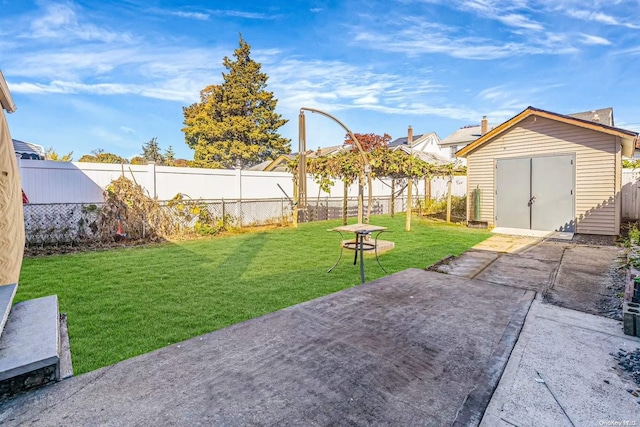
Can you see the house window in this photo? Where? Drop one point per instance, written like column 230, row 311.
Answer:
column 454, row 148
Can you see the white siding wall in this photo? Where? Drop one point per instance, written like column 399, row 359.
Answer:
column 597, row 168
column 63, row 182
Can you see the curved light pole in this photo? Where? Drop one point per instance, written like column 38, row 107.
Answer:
column 302, row 167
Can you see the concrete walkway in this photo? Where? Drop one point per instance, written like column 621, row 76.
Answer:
column 570, row 351
column 564, row 273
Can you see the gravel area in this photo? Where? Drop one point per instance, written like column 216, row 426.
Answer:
column 628, row 366
column 610, row 303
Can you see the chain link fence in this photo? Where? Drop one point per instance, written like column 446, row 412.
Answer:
column 75, row 223
column 61, row 223
column 325, row 208
column 332, row 208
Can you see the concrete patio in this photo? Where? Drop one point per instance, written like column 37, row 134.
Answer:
column 413, row 348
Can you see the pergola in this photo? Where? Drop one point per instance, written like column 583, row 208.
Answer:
column 302, row 163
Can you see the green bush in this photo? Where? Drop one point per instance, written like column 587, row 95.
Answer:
column 439, row 206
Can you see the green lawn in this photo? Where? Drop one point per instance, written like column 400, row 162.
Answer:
column 125, row 302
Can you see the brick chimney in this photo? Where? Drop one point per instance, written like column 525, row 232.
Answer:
column 410, row 136
column 484, row 125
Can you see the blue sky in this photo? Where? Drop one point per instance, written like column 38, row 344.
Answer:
column 112, row 75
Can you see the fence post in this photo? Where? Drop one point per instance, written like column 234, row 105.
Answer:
column 392, row 209
column 449, row 198
column 409, row 204
column 152, row 179
column 239, row 204
column 224, row 214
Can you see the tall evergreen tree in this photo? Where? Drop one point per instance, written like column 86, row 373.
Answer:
column 151, row 151
column 169, row 156
column 235, row 122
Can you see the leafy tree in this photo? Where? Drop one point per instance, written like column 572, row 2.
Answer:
column 138, row 160
column 630, row 164
column 151, row 152
column 235, row 122
column 100, row 156
column 369, row 141
column 51, row 154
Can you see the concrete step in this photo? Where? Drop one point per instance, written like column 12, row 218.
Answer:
column 7, row 292
column 30, row 346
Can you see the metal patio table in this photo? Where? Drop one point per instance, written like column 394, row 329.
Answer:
column 363, row 233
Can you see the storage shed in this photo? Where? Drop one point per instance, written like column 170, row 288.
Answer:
column 549, row 172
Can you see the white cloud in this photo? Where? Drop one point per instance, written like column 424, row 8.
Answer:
column 60, row 21
column 242, row 14
column 508, row 13
column 600, row 17
column 366, row 100
column 514, row 98
column 531, row 22
column 519, row 21
column 594, row 40
column 126, row 129
column 335, row 86
column 418, row 41
column 315, row 10
column 67, row 87
column 193, row 15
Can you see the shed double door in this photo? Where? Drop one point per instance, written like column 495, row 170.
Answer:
column 536, row 193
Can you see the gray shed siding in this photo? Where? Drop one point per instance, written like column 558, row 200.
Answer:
column 598, row 169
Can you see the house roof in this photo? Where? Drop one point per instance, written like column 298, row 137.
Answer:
column 626, row 135
column 279, row 163
column 399, row 142
column 6, row 101
column 260, row 166
column 603, row 115
column 28, row 150
column 465, row 135
column 403, row 141
column 427, row 157
column 327, row 151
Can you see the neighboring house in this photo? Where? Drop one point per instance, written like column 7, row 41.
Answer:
column 546, row 171
column 425, row 146
column 603, row 115
column 426, row 143
column 277, row 165
column 27, row 150
column 431, row 158
column 260, row 166
column 463, row 137
column 280, row 163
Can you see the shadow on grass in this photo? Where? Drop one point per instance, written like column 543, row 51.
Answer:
column 126, row 302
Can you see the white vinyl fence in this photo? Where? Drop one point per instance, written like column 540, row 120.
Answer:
column 630, row 193
column 47, row 182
